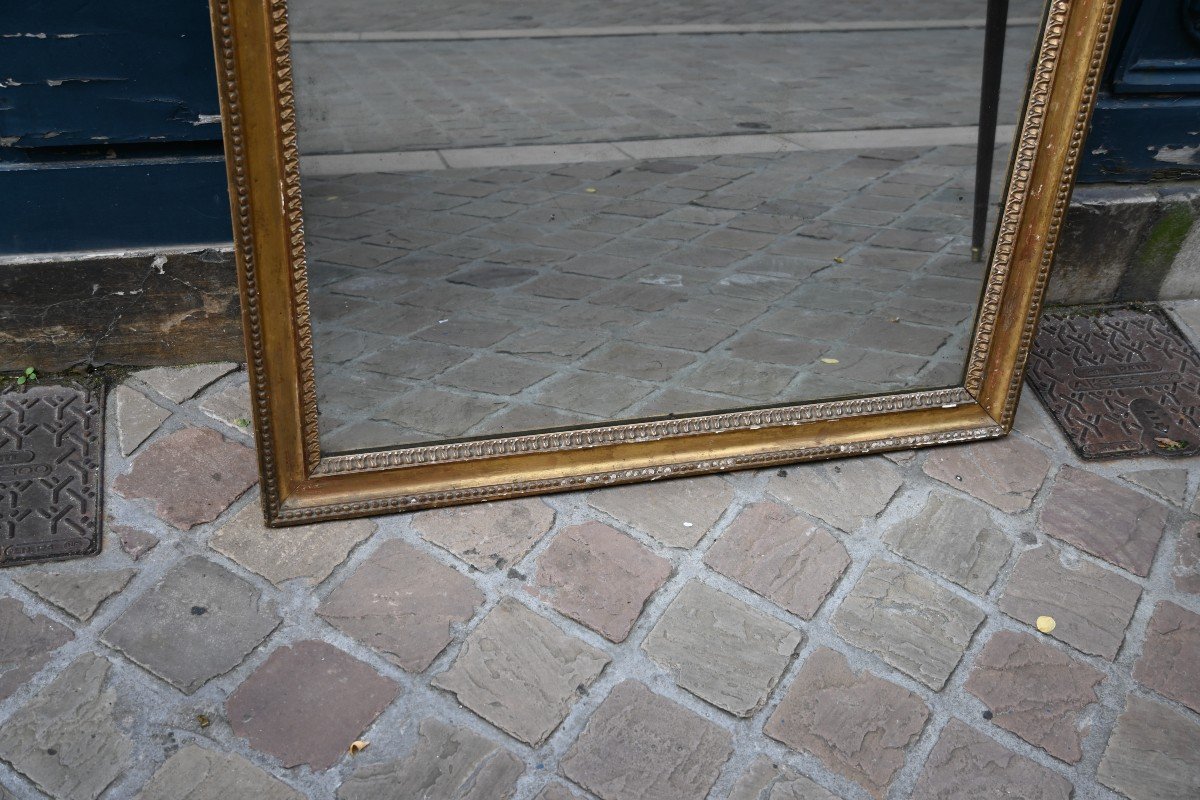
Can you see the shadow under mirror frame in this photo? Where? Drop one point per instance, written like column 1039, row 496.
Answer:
column 300, row 485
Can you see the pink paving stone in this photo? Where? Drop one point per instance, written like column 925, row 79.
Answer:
column 1170, row 662
column 599, row 577
column 1091, row 606
column 306, row 703
column 1187, row 559
column 781, row 556
column 1036, row 691
column 1005, row 473
column 1105, row 519
column 191, row 476
column 134, row 541
column 859, row 725
column 966, row 764
column 403, row 603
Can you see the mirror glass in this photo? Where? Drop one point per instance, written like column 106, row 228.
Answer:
column 524, row 216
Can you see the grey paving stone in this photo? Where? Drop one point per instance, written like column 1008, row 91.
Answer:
column 678, row 513
column 556, row 345
column 77, row 593
column 842, row 493
column 402, row 603
column 720, row 649
column 954, row 538
column 764, row 780
column 1103, row 518
column 231, row 405
column 199, row 622
column 965, row 763
column 1036, row 691
column 306, row 552
column 438, row 412
column 1186, row 571
column 774, row 348
column 755, row 381
column 594, row 394
column 636, row 361
column 414, row 360
column 197, row 773
column 780, row 556
column 520, row 672
column 1005, row 473
column 1091, row 606
column 137, row 417
column 911, row 623
column 638, row 745
column 190, row 476
column 67, row 739
column 1170, row 662
column 183, row 383
column 556, row 791
column 860, row 726
column 307, row 703
column 134, row 541
column 448, row 762
column 599, row 577
column 487, row 536
column 1153, row 753
column 26, row 644
column 1169, row 484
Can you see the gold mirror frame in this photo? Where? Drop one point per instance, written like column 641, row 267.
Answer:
column 299, row 485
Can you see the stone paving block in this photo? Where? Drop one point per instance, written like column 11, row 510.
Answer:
column 1153, row 753
column 1103, row 518
column 448, row 762
column 636, row 361
column 137, row 417
column 965, row 763
column 402, row 603
column 860, row 726
column 230, row 405
column 183, row 383
column 1005, row 473
column 911, row 623
column 307, row 552
column 67, row 739
column 1036, row 691
column 307, row 703
column 639, row 745
column 199, row 622
column 488, row 535
column 520, row 672
column 954, row 538
column 1170, row 662
column 26, row 644
column 1031, row 421
column 197, row 773
column 720, row 649
column 764, row 780
column 1186, row 572
column 77, row 593
column 1091, row 606
column 1169, row 484
column 190, row 476
column 599, row 577
column 842, row 493
column 678, row 513
column 780, row 556
column 134, row 541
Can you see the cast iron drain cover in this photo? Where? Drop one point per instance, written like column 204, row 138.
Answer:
column 51, row 453
column 1120, row 382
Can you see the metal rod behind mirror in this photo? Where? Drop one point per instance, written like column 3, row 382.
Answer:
column 989, row 109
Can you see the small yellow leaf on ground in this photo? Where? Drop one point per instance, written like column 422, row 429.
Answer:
column 829, row 361
column 358, row 746
column 203, row 720
column 840, row 260
column 1046, row 624
column 590, row 190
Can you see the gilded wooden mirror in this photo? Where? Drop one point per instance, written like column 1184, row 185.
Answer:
column 484, row 263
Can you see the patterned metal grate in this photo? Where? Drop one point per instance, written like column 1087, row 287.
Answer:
column 51, row 457
column 1119, row 381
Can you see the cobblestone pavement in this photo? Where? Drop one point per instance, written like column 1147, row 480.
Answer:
column 388, row 15
column 395, row 96
column 477, row 302
column 850, row 629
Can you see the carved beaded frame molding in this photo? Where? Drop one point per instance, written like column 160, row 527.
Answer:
column 300, row 485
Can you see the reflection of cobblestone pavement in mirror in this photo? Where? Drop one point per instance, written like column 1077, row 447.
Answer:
column 492, row 301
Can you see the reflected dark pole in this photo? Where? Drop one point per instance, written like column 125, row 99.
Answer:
column 989, row 108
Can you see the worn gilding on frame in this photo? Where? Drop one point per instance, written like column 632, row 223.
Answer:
column 299, row 485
